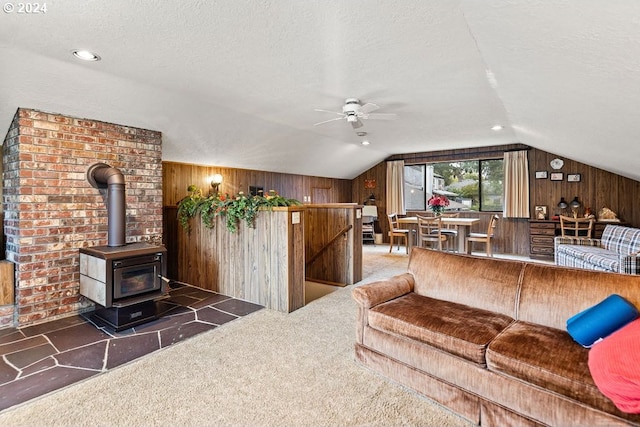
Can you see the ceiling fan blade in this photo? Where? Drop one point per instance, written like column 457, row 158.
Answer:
column 368, row 107
column 357, row 124
column 327, row 111
column 380, row 116
column 330, row 120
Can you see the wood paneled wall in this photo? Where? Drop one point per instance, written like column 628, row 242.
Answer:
column 376, row 177
column 333, row 243
column 178, row 176
column 597, row 188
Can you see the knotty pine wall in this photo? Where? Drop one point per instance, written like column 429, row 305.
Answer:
column 597, row 188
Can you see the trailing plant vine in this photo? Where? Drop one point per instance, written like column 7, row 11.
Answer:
column 240, row 207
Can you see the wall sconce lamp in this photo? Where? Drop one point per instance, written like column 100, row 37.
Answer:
column 216, row 180
column 575, row 205
column 562, row 206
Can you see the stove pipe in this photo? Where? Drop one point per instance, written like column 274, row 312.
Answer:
column 101, row 175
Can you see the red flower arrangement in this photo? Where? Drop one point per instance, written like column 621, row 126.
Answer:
column 438, row 203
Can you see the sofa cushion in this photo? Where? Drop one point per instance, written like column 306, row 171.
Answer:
column 601, row 320
column 549, row 358
column 550, row 295
column 615, row 367
column 623, row 240
column 591, row 257
column 455, row 328
column 490, row 283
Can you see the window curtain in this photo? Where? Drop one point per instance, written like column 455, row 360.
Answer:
column 395, row 187
column 516, row 184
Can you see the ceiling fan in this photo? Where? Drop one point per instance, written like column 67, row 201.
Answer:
column 353, row 111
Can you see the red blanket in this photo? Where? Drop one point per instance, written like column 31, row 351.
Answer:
column 615, row 367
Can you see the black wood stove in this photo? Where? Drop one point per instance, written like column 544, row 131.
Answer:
column 125, row 280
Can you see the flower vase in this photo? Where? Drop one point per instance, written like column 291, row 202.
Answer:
column 437, row 210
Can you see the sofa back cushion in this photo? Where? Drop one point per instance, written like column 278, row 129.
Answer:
column 550, row 295
column 623, row 240
column 486, row 283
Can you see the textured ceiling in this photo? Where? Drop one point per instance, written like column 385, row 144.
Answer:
column 235, row 82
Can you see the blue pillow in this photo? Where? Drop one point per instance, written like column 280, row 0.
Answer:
column 595, row 323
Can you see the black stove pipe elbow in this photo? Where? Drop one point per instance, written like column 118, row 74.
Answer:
column 101, row 175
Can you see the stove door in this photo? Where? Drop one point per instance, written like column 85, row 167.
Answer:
column 136, row 276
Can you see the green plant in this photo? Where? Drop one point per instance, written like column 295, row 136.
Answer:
column 188, row 207
column 240, row 207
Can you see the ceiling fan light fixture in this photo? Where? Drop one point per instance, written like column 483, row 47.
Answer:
column 86, row 55
column 353, row 112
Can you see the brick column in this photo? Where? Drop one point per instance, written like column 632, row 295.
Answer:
column 51, row 210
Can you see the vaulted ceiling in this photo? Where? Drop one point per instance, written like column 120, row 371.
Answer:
column 236, row 82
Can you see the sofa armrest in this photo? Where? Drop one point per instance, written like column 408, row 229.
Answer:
column 630, row 264
column 375, row 293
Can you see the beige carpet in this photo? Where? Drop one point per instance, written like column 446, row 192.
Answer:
column 268, row 369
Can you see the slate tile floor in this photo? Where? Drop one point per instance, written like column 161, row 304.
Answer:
column 40, row 359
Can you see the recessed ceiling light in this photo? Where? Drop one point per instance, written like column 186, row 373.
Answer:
column 85, row 55
column 361, row 133
column 497, row 127
column 365, row 142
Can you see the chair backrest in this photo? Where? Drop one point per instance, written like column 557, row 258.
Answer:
column 450, row 215
column 393, row 221
column 576, row 227
column 492, row 225
column 430, row 230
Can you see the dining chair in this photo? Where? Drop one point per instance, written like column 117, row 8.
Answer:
column 485, row 237
column 396, row 231
column 451, row 231
column 576, row 227
column 430, row 231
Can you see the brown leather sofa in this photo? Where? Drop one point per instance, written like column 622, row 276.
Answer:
column 486, row 337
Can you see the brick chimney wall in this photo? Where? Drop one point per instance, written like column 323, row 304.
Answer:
column 51, row 210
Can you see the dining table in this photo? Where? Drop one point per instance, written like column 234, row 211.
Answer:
column 463, row 225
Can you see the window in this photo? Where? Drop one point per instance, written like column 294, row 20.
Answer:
column 414, row 187
column 491, row 185
column 469, row 185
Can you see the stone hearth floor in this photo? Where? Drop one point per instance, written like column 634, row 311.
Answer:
column 39, row 359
